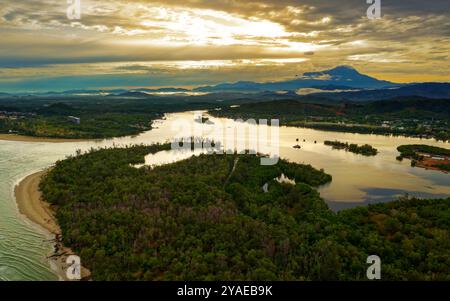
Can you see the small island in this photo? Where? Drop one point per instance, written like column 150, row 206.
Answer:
column 365, row 150
column 204, row 120
column 426, row 156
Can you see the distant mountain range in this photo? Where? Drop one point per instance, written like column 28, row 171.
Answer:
column 340, row 83
column 105, row 92
column 342, row 76
column 428, row 90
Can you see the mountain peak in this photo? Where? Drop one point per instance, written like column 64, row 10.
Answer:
column 340, row 76
column 343, row 68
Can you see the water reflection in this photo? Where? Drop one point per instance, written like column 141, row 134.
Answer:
column 357, row 180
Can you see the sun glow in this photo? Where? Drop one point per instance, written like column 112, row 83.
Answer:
column 262, row 40
column 202, row 27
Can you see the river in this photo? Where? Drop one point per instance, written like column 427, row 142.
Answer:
column 357, row 180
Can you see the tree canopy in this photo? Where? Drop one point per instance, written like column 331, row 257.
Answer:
column 208, row 218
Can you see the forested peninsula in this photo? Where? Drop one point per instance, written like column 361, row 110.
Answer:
column 209, row 218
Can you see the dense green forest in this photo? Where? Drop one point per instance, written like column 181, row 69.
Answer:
column 408, row 116
column 208, row 218
column 131, row 113
column 444, row 167
column 365, row 150
column 100, row 117
column 410, row 151
column 92, row 126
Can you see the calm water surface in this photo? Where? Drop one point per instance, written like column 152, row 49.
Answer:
column 357, row 180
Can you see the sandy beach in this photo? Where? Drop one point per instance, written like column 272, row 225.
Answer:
column 31, row 205
column 14, row 137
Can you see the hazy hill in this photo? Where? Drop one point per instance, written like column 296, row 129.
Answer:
column 416, row 107
column 429, row 90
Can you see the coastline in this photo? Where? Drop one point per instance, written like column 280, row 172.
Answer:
column 40, row 213
column 20, row 138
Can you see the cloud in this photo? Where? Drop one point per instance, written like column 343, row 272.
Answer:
column 411, row 39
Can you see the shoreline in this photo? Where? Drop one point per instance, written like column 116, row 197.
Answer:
column 343, row 130
column 41, row 213
column 428, row 167
column 21, row 138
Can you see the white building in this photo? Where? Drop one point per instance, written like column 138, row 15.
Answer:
column 74, row 119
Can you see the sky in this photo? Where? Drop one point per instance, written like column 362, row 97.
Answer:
column 187, row 43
